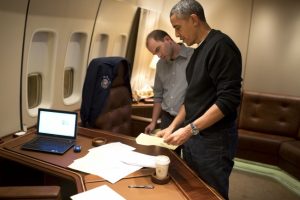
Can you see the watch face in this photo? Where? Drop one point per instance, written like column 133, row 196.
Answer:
column 195, row 131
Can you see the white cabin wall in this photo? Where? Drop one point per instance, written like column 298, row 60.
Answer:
column 273, row 63
column 61, row 19
column 12, row 23
column 114, row 21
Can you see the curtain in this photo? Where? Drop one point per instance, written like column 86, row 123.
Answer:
column 142, row 74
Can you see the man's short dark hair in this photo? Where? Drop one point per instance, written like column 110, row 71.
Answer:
column 157, row 35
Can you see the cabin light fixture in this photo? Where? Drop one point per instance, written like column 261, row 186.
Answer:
column 154, row 61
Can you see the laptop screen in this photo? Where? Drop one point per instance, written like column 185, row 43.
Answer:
column 57, row 123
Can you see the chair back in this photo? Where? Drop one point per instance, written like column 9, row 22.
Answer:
column 106, row 95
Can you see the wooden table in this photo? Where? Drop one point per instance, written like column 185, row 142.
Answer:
column 184, row 183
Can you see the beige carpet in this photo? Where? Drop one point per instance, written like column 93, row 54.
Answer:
column 248, row 183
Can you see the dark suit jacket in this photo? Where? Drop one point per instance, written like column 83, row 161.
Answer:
column 98, row 80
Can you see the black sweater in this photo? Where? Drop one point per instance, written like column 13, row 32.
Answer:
column 214, row 77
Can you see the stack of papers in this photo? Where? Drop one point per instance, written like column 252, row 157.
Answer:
column 145, row 139
column 113, row 161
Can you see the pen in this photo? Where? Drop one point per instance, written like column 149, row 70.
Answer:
column 141, row 186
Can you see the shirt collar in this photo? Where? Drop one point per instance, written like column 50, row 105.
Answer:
column 183, row 52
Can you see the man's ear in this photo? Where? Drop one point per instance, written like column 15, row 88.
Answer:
column 195, row 19
column 167, row 38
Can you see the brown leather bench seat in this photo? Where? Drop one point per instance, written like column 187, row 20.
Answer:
column 289, row 158
column 269, row 130
column 260, row 147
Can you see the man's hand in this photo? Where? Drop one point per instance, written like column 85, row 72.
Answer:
column 179, row 137
column 150, row 128
column 164, row 133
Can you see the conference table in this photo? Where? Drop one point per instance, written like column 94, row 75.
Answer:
column 183, row 184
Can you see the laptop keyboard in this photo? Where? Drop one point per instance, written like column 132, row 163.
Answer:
column 49, row 143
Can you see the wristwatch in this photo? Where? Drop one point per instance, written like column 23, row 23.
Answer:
column 195, row 131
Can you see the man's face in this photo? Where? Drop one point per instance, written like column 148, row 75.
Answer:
column 163, row 49
column 184, row 29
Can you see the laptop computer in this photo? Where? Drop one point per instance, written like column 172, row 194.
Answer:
column 56, row 131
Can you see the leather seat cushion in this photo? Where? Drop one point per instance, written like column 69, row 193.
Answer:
column 261, row 142
column 290, row 151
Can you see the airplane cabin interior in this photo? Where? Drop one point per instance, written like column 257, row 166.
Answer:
column 48, row 47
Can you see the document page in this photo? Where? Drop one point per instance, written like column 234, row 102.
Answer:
column 138, row 159
column 101, row 192
column 106, row 161
column 145, row 139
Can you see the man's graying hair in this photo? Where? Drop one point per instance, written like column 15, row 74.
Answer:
column 185, row 8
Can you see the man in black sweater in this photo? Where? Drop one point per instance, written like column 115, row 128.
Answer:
column 209, row 111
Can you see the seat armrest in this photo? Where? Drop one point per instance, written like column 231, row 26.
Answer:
column 30, row 192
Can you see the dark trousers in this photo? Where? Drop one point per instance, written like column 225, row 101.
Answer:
column 210, row 155
column 166, row 120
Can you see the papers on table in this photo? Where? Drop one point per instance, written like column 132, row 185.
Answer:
column 145, row 139
column 112, row 161
column 139, row 159
column 102, row 192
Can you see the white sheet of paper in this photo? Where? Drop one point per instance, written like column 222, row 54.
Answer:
column 105, row 161
column 101, row 192
column 116, row 146
column 147, row 140
column 138, row 159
